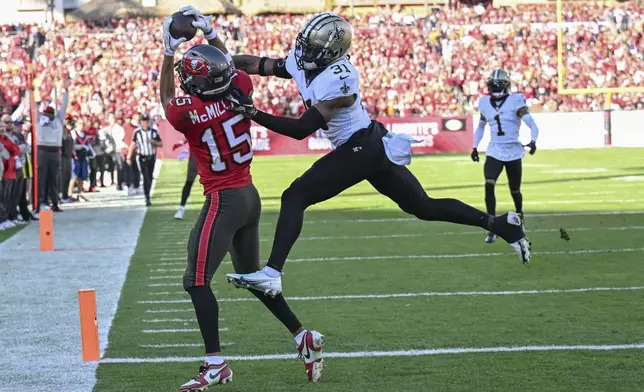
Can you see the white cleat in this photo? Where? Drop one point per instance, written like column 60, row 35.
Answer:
column 208, row 376
column 257, row 281
column 311, row 353
column 180, row 212
column 523, row 245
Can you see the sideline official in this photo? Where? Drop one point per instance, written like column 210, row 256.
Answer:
column 50, row 139
column 145, row 141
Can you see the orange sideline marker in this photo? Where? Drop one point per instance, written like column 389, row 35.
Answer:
column 89, row 325
column 46, row 231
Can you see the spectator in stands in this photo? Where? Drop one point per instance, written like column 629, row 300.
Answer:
column 83, row 150
column 7, row 200
column 50, row 139
column 114, row 135
column 67, row 156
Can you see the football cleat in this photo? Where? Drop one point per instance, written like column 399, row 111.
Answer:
column 311, row 353
column 490, row 237
column 510, row 228
column 180, row 212
column 208, row 376
column 258, row 281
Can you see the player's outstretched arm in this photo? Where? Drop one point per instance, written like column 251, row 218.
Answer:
column 262, row 66
column 171, row 45
column 297, row 128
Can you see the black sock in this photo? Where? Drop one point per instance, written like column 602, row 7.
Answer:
column 490, row 199
column 280, row 309
column 207, row 311
column 454, row 211
column 289, row 226
column 518, row 201
column 185, row 193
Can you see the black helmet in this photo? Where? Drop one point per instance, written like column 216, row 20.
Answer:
column 499, row 83
column 205, row 72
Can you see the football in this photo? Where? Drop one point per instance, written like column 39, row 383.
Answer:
column 181, row 26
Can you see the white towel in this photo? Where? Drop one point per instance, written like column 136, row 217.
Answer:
column 398, row 147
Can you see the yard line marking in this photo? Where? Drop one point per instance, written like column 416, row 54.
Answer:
column 415, row 235
column 168, row 270
column 437, row 256
column 168, row 293
column 177, row 330
column 398, row 353
column 165, row 285
column 184, row 320
column 181, row 345
column 187, row 310
column 409, row 295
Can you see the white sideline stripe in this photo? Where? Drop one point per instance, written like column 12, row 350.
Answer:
column 435, row 256
column 427, row 234
column 186, row 310
column 408, row 295
column 181, row 345
column 399, row 353
column 177, row 330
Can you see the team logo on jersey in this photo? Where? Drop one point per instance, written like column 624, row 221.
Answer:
column 345, row 88
column 337, row 34
column 196, row 66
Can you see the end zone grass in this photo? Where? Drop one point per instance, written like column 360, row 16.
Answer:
column 462, row 292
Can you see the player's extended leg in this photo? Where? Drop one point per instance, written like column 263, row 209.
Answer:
column 187, row 187
column 245, row 257
column 208, row 244
column 401, row 186
column 491, row 170
column 513, row 170
column 340, row 169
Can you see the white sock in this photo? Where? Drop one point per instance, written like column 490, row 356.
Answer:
column 214, row 359
column 272, row 272
column 300, row 336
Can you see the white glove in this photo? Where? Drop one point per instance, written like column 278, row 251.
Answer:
column 202, row 22
column 170, row 43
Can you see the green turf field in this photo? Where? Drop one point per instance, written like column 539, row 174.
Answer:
column 359, row 245
column 6, row 234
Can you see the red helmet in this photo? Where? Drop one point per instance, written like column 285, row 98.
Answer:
column 205, row 72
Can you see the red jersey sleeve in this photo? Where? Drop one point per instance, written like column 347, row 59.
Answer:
column 243, row 81
column 177, row 113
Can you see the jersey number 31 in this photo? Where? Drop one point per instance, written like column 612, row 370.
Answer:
column 235, row 142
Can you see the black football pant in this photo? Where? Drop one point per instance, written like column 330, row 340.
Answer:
column 362, row 158
column 147, row 170
column 229, row 222
column 492, row 170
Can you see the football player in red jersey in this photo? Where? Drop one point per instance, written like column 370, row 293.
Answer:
column 229, row 221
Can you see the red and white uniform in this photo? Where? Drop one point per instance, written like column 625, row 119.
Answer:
column 219, row 139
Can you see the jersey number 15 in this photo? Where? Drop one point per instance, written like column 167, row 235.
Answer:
column 235, row 142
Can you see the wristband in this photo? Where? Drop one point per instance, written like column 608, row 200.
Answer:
column 262, row 61
column 212, row 35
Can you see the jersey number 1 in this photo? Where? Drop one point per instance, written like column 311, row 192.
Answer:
column 498, row 125
column 218, row 165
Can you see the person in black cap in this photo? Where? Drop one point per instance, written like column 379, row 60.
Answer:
column 145, row 141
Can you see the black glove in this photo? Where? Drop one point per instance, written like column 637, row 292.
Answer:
column 242, row 103
column 533, row 147
column 475, row 155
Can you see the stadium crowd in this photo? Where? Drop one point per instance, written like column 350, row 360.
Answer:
column 410, row 66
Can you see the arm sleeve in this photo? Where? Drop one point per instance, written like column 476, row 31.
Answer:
column 534, row 130
column 478, row 134
column 296, row 128
column 63, row 107
column 279, row 69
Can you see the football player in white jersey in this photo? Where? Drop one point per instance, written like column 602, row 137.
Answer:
column 503, row 112
column 363, row 148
